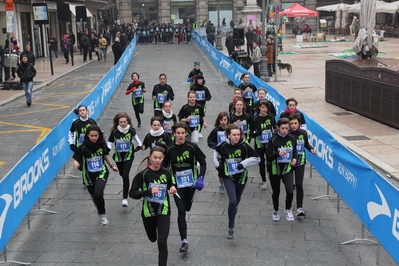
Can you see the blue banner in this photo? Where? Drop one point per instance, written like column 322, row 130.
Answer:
column 370, row 196
column 24, row 184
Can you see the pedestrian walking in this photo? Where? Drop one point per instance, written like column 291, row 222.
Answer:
column 255, row 59
column 93, row 47
column 65, row 47
column 102, row 46
column 137, row 89
column 85, row 44
column 161, row 93
column 281, row 153
column 90, row 158
column 182, row 157
column 232, row 159
column 53, row 44
column 79, row 127
column 121, row 140
column 26, row 72
column 157, row 135
column 117, row 50
column 30, row 54
column 153, row 185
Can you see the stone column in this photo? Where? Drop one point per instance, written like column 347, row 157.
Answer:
column 251, row 8
column 264, row 75
column 164, row 11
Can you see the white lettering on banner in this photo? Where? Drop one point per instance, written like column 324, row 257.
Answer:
column 58, row 147
column 119, row 71
column 8, row 199
column 351, row 178
column 274, row 102
column 203, row 42
column 214, row 56
column 226, row 65
column 208, row 48
column 238, row 75
column 323, row 151
column 91, row 108
column 106, row 88
column 28, row 179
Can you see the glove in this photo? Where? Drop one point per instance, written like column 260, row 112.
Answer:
column 199, row 184
column 240, row 167
column 189, row 80
column 138, row 148
column 72, row 147
column 220, row 170
column 194, row 77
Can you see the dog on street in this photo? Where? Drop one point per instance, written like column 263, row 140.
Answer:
column 284, row 66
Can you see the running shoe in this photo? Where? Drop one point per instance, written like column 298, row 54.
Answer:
column 300, row 212
column 200, row 136
column 263, row 185
column 276, row 216
column 222, row 190
column 184, row 247
column 230, row 233
column 104, row 220
column 125, row 203
column 288, row 215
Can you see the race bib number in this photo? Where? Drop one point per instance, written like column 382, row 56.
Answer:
column 161, row 97
column 138, row 92
column 95, row 164
column 123, row 145
column 185, row 178
column 244, row 126
column 158, row 197
column 81, row 138
column 248, row 94
column 266, row 135
column 194, row 120
column 285, row 158
column 232, row 166
column 300, row 145
column 200, row 95
column 170, row 124
column 221, row 136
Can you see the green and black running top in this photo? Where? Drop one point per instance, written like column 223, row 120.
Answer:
column 180, row 158
column 160, row 138
column 78, row 130
column 168, row 119
column 281, row 165
column 123, row 144
column 136, row 89
column 262, row 130
column 245, row 123
column 202, row 94
column 248, row 96
column 302, row 142
column 153, row 204
column 230, row 156
column 216, row 137
column 196, row 113
column 91, row 159
column 162, row 94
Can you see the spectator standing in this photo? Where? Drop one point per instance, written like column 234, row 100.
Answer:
column 230, row 43
column 65, row 47
column 26, row 72
column 93, row 46
column 52, row 43
column 102, row 45
column 269, row 56
column 85, row 43
column 117, row 50
column 255, row 58
column 249, row 35
column 80, row 34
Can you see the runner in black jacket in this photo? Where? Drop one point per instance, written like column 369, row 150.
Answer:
column 79, row 126
column 137, row 88
column 161, row 93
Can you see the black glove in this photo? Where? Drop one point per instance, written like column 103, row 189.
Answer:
column 72, row 147
column 138, row 148
column 220, row 170
column 240, row 167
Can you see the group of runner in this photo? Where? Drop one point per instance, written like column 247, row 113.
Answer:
column 177, row 166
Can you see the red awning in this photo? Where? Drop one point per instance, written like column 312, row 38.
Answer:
column 296, row 10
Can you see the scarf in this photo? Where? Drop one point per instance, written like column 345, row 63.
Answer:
column 281, row 135
column 245, row 84
column 94, row 146
column 290, row 112
column 156, row 133
column 123, row 130
column 136, row 82
column 167, row 115
column 84, row 119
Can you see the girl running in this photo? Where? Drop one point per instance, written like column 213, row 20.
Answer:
column 299, row 169
column 232, row 158
column 137, row 88
column 89, row 158
column 157, row 135
column 282, row 154
column 241, row 118
column 154, row 184
column 249, row 91
column 263, row 125
column 161, row 93
column 168, row 117
column 182, row 157
column 217, row 136
column 262, row 98
column 121, row 139
column 291, row 109
column 193, row 115
column 202, row 95
column 79, row 127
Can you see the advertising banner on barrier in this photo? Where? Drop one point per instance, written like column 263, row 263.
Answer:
column 23, row 185
column 370, row 196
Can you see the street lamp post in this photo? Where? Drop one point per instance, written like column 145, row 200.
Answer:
column 219, row 45
column 263, row 61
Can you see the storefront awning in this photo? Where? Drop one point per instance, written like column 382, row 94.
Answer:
column 73, row 10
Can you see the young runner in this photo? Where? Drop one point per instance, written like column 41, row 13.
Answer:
column 241, row 118
column 182, row 157
column 168, row 117
column 121, row 139
column 161, row 93
column 89, row 158
column 154, row 184
column 291, row 109
column 137, row 88
column 249, row 90
column 194, row 73
column 262, row 97
column 202, row 95
column 157, row 135
column 79, row 126
column 232, row 158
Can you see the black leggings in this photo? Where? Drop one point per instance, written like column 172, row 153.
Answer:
column 289, row 189
column 234, row 192
column 138, row 109
column 183, row 205
column 124, row 170
column 299, row 173
column 97, row 193
column 262, row 164
column 162, row 224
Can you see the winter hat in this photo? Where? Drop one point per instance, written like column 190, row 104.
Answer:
column 200, row 77
column 66, row 36
column 196, row 64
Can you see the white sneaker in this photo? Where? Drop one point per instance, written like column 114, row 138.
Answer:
column 276, row 216
column 263, row 185
column 125, row 203
column 104, row 220
column 200, row 135
column 288, row 215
